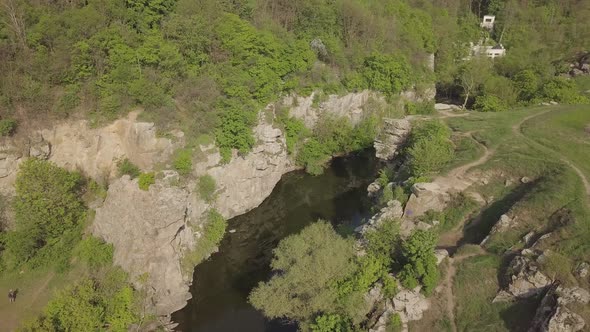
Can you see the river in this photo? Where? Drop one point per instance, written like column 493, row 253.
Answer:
column 222, row 283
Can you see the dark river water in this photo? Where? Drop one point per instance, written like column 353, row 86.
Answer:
column 221, row 284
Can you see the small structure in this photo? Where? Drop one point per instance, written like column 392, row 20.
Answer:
column 490, row 51
column 488, row 22
column 496, row 51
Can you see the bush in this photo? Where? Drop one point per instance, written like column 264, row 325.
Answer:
column 423, row 108
column 313, row 156
column 331, row 323
column 94, row 252
column 206, row 188
column 146, row 180
column 383, row 179
column 386, row 73
column 295, row 131
column 213, row 233
column 430, row 148
column 420, row 262
column 7, row 127
column 489, row 103
column 562, row 90
column 183, row 162
column 48, row 208
column 395, row 323
column 90, row 304
column 126, row 167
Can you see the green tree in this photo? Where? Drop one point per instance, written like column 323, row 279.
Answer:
column 47, row 208
column 309, row 263
column 489, row 103
column 429, row 148
column 419, row 261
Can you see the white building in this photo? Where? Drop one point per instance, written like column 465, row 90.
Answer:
column 496, row 51
column 488, row 22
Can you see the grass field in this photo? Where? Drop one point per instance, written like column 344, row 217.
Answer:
column 476, row 284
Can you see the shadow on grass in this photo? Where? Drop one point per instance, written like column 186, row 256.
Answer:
column 480, row 227
column 520, row 314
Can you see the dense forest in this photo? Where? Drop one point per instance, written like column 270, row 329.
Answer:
column 208, row 68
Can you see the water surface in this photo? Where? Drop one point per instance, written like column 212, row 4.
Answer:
column 221, row 284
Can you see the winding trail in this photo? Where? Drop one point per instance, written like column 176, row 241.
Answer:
column 447, row 283
column 517, row 129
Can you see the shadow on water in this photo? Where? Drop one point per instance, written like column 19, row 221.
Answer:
column 221, row 284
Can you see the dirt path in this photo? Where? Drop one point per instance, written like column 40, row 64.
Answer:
column 460, row 171
column 28, row 301
column 447, row 283
column 517, row 129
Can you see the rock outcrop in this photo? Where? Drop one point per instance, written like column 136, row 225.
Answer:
column 96, row 151
column 524, row 279
column 553, row 315
column 246, row 181
column 393, row 136
column 349, row 106
column 150, row 231
column 75, row 145
column 425, row 197
column 393, row 210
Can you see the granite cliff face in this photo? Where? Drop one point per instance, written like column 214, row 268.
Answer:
column 152, row 230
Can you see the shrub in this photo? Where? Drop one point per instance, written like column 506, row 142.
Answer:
column 489, row 103
column 206, row 188
column 386, row 73
column 420, row 262
column 386, row 195
column 399, row 194
column 213, row 233
column 562, row 90
column 383, row 178
column 430, row 148
column 313, row 156
column 183, row 162
column 295, row 131
column 330, row 323
column 146, row 180
column 395, row 323
column 48, row 208
column 424, row 108
column 90, row 303
column 7, row 127
column 94, row 252
column 126, row 167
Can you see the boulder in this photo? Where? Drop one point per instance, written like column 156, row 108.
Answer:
column 393, row 210
column 410, row 304
column 553, row 316
column 524, row 279
column 446, row 107
column 583, row 269
column 572, row 295
column 39, row 147
column 425, row 197
column 393, row 136
column 440, row 255
column 150, row 231
column 373, row 189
